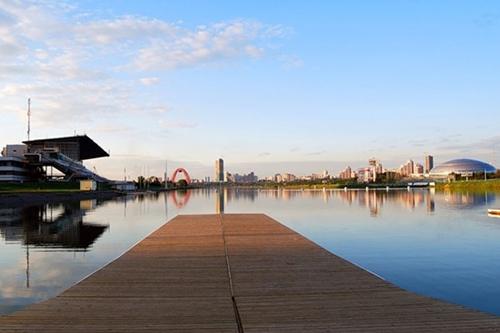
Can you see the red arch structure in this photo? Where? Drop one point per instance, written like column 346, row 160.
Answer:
column 181, row 170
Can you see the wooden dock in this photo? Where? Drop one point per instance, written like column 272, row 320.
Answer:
column 238, row 273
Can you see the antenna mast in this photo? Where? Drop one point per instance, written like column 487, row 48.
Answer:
column 29, row 118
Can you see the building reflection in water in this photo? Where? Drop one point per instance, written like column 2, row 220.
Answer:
column 54, row 227
column 467, row 199
column 51, row 226
column 220, row 199
column 373, row 199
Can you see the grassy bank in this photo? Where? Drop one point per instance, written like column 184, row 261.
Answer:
column 490, row 185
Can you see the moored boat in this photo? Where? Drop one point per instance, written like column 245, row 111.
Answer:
column 494, row 212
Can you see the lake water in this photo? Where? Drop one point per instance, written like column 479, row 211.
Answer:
column 439, row 244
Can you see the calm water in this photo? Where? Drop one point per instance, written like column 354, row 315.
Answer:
column 438, row 244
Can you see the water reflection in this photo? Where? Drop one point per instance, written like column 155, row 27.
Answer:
column 31, row 238
column 220, row 199
column 181, row 198
column 51, row 226
column 438, row 244
column 463, row 200
column 373, row 200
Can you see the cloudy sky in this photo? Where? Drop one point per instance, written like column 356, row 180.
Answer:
column 269, row 86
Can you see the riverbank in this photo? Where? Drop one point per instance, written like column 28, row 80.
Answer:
column 39, row 187
column 490, row 185
column 23, row 199
column 320, row 186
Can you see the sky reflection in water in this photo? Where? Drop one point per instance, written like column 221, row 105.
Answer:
column 438, row 244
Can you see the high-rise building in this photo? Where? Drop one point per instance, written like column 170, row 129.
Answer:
column 219, row 170
column 250, row 178
column 365, row 175
column 376, row 166
column 407, row 169
column 347, row 173
column 429, row 163
column 419, row 169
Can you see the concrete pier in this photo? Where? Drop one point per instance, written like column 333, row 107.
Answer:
column 238, row 273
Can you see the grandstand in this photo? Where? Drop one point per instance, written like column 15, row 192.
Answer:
column 31, row 160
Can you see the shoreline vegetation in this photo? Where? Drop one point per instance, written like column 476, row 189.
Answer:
column 73, row 190
column 490, row 185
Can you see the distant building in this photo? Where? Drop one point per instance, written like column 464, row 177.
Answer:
column 407, row 169
column 370, row 173
column 376, row 166
column 219, row 170
column 418, row 170
column 318, row 176
column 17, row 151
column 288, row 177
column 284, row 177
column 411, row 169
column 463, row 167
column 123, row 186
column 249, row 178
column 236, row 178
column 347, row 173
column 365, row 175
column 429, row 163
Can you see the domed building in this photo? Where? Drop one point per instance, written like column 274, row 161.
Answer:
column 463, row 166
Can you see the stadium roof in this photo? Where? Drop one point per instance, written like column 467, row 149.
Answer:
column 88, row 148
column 462, row 166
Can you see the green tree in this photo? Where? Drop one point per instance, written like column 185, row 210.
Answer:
column 141, row 181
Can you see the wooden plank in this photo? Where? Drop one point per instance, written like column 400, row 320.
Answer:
column 175, row 280
column 285, row 283
column 184, row 276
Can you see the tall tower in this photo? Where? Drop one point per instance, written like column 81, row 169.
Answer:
column 429, row 163
column 219, row 170
column 29, row 118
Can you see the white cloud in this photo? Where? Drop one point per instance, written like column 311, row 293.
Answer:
column 123, row 29
column 149, row 81
column 82, row 72
column 9, row 49
column 221, row 41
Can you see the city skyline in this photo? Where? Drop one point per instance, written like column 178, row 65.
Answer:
column 198, row 170
column 293, row 87
column 365, row 173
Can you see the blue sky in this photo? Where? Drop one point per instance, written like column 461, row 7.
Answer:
column 270, row 86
